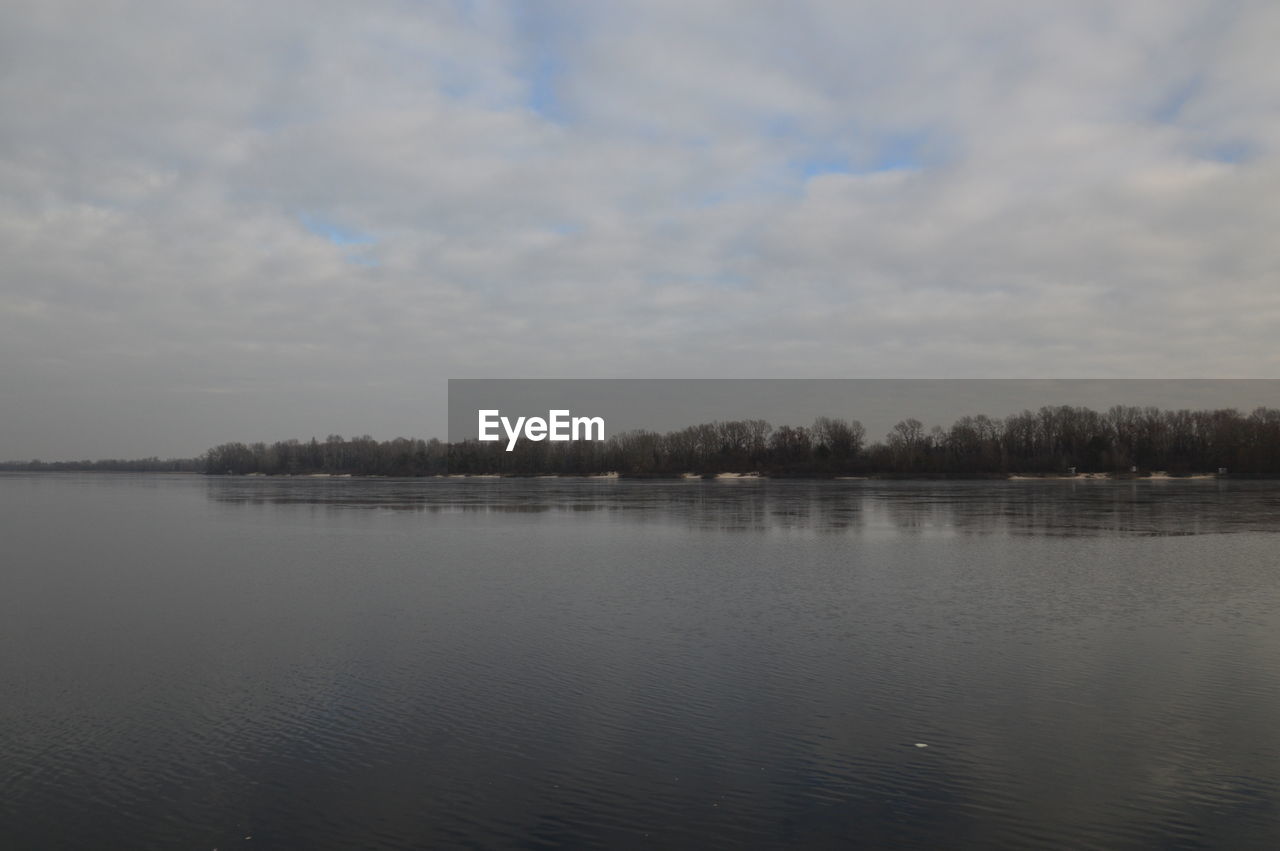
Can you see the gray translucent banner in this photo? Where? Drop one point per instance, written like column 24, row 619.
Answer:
column 663, row 405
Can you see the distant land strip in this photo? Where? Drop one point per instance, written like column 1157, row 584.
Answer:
column 1053, row 441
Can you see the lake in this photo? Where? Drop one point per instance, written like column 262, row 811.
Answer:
column 342, row 663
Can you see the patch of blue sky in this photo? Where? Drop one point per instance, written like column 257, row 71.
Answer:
column 896, row 152
column 903, row 152
column 545, row 35
column 335, row 234
column 543, row 77
column 1233, row 152
column 815, row 166
column 1170, row 108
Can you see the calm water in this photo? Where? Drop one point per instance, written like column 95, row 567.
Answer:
column 188, row 663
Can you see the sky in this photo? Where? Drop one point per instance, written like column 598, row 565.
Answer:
column 254, row 221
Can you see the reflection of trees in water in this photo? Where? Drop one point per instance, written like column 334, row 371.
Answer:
column 1084, row 507
column 1067, row 507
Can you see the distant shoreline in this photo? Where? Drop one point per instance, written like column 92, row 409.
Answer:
column 1061, row 442
column 1155, row 475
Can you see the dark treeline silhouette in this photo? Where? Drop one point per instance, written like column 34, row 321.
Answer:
column 109, row 465
column 359, row 456
column 1049, row 441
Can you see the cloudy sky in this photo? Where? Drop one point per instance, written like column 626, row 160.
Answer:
column 224, row 221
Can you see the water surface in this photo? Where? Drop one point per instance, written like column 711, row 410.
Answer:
column 330, row 663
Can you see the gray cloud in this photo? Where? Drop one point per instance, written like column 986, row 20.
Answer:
column 632, row 189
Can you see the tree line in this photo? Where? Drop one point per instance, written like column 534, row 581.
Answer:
column 109, row 465
column 1052, row 440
